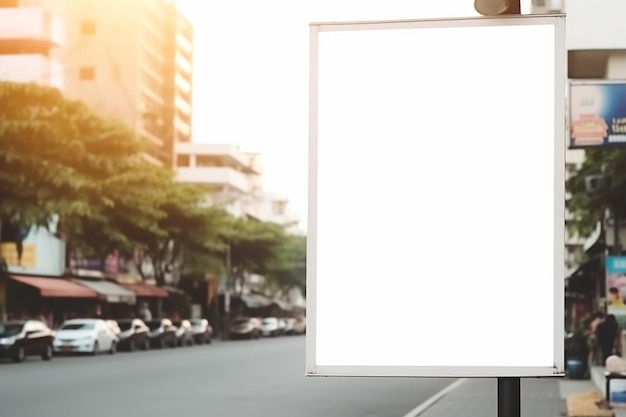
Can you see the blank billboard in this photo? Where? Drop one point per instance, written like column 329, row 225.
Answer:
column 436, row 198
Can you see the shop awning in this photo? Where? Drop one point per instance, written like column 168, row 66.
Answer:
column 282, row 305
column 255, row 300
column 55, row 287
column 109, row 291
column 145, row 290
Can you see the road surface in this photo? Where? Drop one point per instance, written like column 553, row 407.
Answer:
column 263, row 378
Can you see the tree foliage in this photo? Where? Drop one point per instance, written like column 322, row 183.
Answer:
column 287, row 268
column 59, row 158
column 41, row 141
column 252, row 247
column 188, row 229
column 590, row 207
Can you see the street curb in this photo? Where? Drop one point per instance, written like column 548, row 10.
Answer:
column 432, row 400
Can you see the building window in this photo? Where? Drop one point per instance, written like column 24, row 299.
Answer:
column 88, row 27
column 206, row 161
column 183, row 160
column 278, row 208
column 571, row 169
column 87, row 73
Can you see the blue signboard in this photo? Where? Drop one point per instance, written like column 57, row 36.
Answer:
column 597, row 114
column 616, row 288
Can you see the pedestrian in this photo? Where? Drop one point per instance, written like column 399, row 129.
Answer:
column 592, row 340
column 609, row 337
column 144, row 312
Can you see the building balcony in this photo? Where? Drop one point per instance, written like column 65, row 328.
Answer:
column 184, row 43
column 31, row 26
column 183, row 64
column 182, row 105
column 35, row 68
column 219, row 155
column 595, row 25
column 218, row 177
column 183, row 128
column 182, row 83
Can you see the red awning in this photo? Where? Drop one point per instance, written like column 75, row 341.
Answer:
column 55, row 287
column 145, row 290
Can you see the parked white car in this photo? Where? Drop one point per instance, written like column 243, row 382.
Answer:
column 85, row 336
column 270, row 327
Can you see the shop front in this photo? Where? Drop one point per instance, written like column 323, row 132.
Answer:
column 50, row 299
column 152, row 295
column 117, row 302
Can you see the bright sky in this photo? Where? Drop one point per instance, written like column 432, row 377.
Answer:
column 251, row 74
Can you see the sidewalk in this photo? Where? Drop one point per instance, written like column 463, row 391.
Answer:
column 540, row 398
column 478, row 398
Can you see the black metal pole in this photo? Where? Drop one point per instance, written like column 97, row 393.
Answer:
column 617, row 248
column 509, row 397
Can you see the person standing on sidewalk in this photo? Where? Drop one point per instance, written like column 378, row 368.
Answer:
column 592, row 340
column 609, row 337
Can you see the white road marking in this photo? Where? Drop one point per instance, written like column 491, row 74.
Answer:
column 432, row 400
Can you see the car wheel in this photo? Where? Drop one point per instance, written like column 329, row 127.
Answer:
column 146, row 345
column 18, row 355
column 131, row 345
column 207, row 340
column 47, row 354
column 174, row 343
column 96, row 349
column 113, row 348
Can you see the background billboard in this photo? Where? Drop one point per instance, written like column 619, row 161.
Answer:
column 436, row 189
column 616, row 288
column 597, row 114
column 41, row 250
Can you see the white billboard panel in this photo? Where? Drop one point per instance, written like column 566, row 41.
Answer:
column 436, row 198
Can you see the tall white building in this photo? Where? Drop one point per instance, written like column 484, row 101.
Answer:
column 233, row 178
column 29, row 37
column 128, row 60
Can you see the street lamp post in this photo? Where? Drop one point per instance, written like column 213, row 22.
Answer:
column 226, row 328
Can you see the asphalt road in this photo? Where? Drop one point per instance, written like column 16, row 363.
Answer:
column 262, row 378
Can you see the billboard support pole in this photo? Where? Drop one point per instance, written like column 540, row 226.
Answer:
column 509, row 397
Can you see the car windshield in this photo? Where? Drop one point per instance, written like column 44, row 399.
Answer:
column 196, row 323
column 153, row 325
column 78, row 326
column 11, row 328
column 124, row 325
column 241, row 321
column 269, row 321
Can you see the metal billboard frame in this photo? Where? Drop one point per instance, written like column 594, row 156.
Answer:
column 560, row 68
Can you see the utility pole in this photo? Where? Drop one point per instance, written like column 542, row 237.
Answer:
column 226, row 324
column 615, row 207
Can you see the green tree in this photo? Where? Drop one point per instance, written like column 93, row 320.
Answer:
column 188, row 229
column 40, row 144
column 287, row 268
column 60, row 158
column 253, row 245
column 590, row 207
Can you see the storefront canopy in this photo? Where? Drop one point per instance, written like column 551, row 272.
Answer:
column 145, row 290
column 55, row 287
column 255, row 300
column 109, row 291
column 282, row 304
